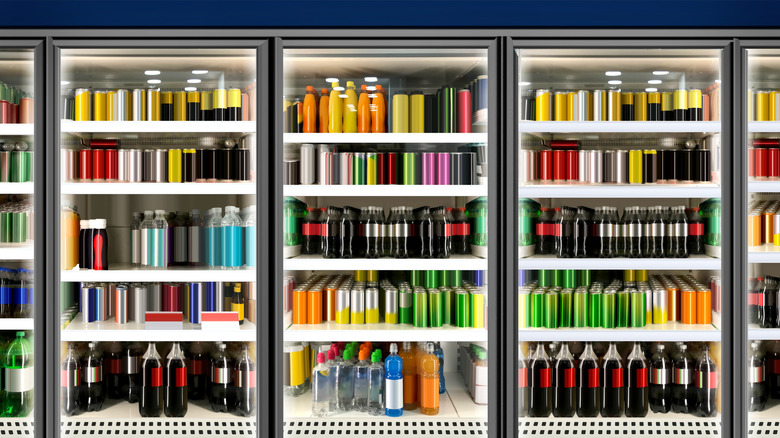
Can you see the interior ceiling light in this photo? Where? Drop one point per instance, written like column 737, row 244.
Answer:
column 153, row 81
column 660, row 72
column 651, row 90
column 152, row 72
column 370, row 79
column 190, row 89
column 654, row 81
column 331, row 80
column 615, row 82
column 193, row 81
column 199, row 72
column 613, row 73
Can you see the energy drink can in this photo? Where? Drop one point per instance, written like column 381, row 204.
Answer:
column 121, row 306
column 193, row 106
column 596, row 166
column 654, row 106
column 408, row 168
column 622, row 166
column 234, row 105
column 688, row 306
column 561, row 108
column 477, row 308
column 673, row 303
column 391, row 305
column 685, row 165
column 171, row 297
column 703, row 306
column 417, row 113
column 572, row 109
column 153, row 104
column 195, row 294
column 761, row 99
column 565, row 297
column 447, row 110
column 357, row 309
column 580, row 308
column 443, row 168
column 572, row 165
column 523, row 307
column 100, row 106
column 420, row 308
column 695, row 112
column 166, row 106
column 189, row 166
column 139, row 105
column 583, row 161
column 600, row 106
column 464, row 111
column 462, row 308
column 429, row 176
column 660, row 315
column 112, row 164
column 543, row 107
column 405, row 306
column 160, row 163
column 546, row 165
column 123, row 110
column 138, row 302
column 98, row 164
column 623, row 309
column 180, row 106
column 680, row 105
column 667, row 106
column 649, row 166
column 635, row 158
column 401, row 113
column 584, row 110
column 613, row 105
column 343, row 298
column 610, row 173
column 372, row 305
column 608, row 309
column 219, row 102
column 174, row 165
column 640, row 106
column 550, row 310
column 206, row 105
column 627, row 106
column 82, row 105
column 638, row 314
column 435, row 308
column 359, row 168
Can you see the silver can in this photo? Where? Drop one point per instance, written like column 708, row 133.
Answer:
column 149, row 163
column 391, row 304
column 621, row 166
column 583, row 163
column 160, row 169
column 610, row 164
column 346, row 161
column 372, row 301
column 581, row 113
column 138, row 302
column 308, row 169
column 599, row 104
column 122, row 102
column 139, row 109
column 121, row 308
column 153, row 297
column 596, row 166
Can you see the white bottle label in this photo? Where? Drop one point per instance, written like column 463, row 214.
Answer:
column 394, row 395
column 19, row 379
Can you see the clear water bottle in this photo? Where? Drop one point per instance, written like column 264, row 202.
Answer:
column 159, row 240
column 376, row 373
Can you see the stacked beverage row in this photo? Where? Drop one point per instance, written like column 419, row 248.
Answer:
column 763, row 223
column 221, row 376
column 17, row 369
column 17, row 289
column 327, row 166
column 600, row 382
column 17, row 221
column 422, row 232
column 16, row 162
column 421, row 299
column 763, row 362
column 762, row 299
column 763, row 105
column 764, row 159
column 16, row 106
column 571, row 299
column 649, row 232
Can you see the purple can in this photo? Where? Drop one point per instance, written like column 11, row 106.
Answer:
column 443, row 167
column 429, row 168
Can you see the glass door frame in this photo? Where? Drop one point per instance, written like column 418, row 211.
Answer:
column 733, row 198
column 54, row 49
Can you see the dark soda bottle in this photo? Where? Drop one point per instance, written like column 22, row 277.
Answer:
column 150, row 403
column 755, row 285
column 588, row 384
column 773, row 369
column 657, row 232
column 246, row 391
column 564, row 234
column 540, row 404
column 93, row 389
column 310, row 230
column 683, row 387
column 554, row 225
column 197, row 372
column 564, row 382
column 607, row 238
column 582, row 231
column 69, row 383
column 360, row 241
column 612, row 375
column 660, row 385
column 6, row 302
column 523, row 392
column 131, row 372
column 461, row 232
column 767, row 305
column 681, row 233
column 175, row 382
column 706, row 384
column 633, row 237
column 404, row 232
column 424, row 226
column 594, row 239
column 349, row 233
column 636, row 383
column 442, row 233
column 22, row 293
column 331, row 233
column 85, row 245
column 112, row 365
column 222, row 392
column 695, row 231
column 372, row 230
column 758, row 391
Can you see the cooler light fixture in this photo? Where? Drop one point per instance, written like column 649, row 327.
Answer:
column 193, row 81
column 199, row 72
column 190, row 89
column 524, row 84
column 651, row 90
column 615, row 82
column 152, row 72
column 64, row 82
column 370, row 79
column 660, row 72
column 654, row 81
column 153, row 81
column 331, row 80
column 613, row 73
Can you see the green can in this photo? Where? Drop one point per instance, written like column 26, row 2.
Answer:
column 359, row 168
column 442, row 278
column 447, row 304
column 409, row 172
column 638, row 315
column 19, row 231
column 6, row 227
column 30, row 166
column 584, row 278
column 416, row 278
column 462, row 308
column 405, row 306
column 431, row 279
column 537, row 308
column 608, row 299
column 435, row 308
column 623, row 309
column 456, row 278
column 523, row 308
column 580, row 308
column 546, row 277
column 558, row 277
column 447, row 116
column 551, row 310
column 569, row 279
column 420, row 308
column 564, row 317
column 18, row 166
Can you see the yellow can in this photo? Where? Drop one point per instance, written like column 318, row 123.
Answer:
column 372, row 316
column 613, row 105
column 695, row 112
column 542, row 106
column 111, row 111
column 754, row 228
column 572, row 112
column 477, row 310
column 640, row 106
column 762, row 106
column 401, row 113
column 295, row 360
column 667, row 106
column 100, row 106
column 561, row 106
column 174, row 165
column 153, row 105
column 180, row 106
column 680, row 105
column 360, row 276
column 641, row 274
column 372, row 275
column 635, row 166
column 81, row 105
column 417, row 113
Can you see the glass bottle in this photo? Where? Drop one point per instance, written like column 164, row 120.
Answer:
column 660, row 384
column 541, row 384
column 636, row 383
column 150, row 403
column 613, row 394
column 589, row 384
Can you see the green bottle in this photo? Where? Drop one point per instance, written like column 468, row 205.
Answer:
column 18, row 382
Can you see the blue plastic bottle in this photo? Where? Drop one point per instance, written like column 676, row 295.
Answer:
column 214, row 238
column 394, row 383
column 232, row 238
column 439, row 353
column 250, row 234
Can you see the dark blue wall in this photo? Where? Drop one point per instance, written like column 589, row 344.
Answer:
column 422, row 13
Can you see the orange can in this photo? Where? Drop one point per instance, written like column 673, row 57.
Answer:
column 329, row 309
column 300, row 306
column 768, row 228
column 704, row 307
column 673, row 303
column 754, row 229
column 688, row 307
column 315, row 306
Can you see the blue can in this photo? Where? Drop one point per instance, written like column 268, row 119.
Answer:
column 196, row 297
column 210, row 296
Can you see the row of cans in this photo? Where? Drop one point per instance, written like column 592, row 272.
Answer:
column 616, row 105
column 763, row 105
column 152, row 104
column 473, row 369
column 17, row 222
column 763, row 223
column 17, row 289
column 16, row 106
column 157, row 165
column 16, row 162
column 764, row 159
column 648, row 166
column 129, row 302
column 329, row 167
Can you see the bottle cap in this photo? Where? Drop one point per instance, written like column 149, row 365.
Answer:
column 376, row 356
column 320, row 358
column 350, row 84
column 348, row 354
column 334, row 84
column 331, row 355
column 21, row 335
column 363, row 354
column 84, row 224
column 159, row 212
column 393, row 348
column 99, row 224
column 309, row 89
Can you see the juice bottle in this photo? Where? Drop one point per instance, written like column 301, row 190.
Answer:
column 429, row 402
column 364, row 111
column 70, row 234
column 310, row 110
column 335, row 109
column 324, row 111
column 350, row 108
column 409, row 361
column 378, row 111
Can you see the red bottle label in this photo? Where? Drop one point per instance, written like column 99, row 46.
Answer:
column 156, row 377
column 776, row 366
column 245, row 379
column 181, row 377
column 545, row 378
column 707, row 379
column 197, row 367
column 594, row 378
column 695, row 229
column 617, row 378
column 311, row 229
column 641, row 378
column 461, row 229
column 569, row 379
column 70, row 378
column 115, row 366
column 522, row 378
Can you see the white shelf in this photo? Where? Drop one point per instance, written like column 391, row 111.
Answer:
column 381, row 332
column 619, row 191
column 385, row 190
column 147, row 188
column 768, row 127
column 17, row 129
column 669, row 332
column 105, row 331
column 619, row 127
column 126, row 273
column 455, row 403
column 316, row 262
column 763, row 186
column 25, row 188
column 12, row 324
column 122, row 410
column 17, row 252
column 697, row 262
column 764, row 254
column 126, row 127
column 474, row 137
column 761, row 334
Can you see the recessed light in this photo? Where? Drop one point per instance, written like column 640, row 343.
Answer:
column 152, row 72
column 717, row 81
column 370, row 88
column 343, row 96
column 613, row 73
column 654, row 81
column 525, row 84
column 660, row 72
column 193, row 81
column 370, row 79
column 338, row 88
column 371, row 96
column 651, row 90
column 615, row 82
column 190, row 88
column 153, row 81
column 331, row 79
column 64, row 82
column 199, row 72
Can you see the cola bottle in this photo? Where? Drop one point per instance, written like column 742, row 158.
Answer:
column 372, row 230
column 683, row 387
column 349, row 233
column 442, row 233
column 755, row 287
column 360, row 243
column 553, row 229
column 244, row 376
column 522, row 384
column 545, row 232
column 767, row 305
column 606, row 233
column 131, row 372
column 175, row 382
column 424, row 227
column 564, row 234
column 612, row 375
column 388, row 235
column 331, row 233
column 588, row 385
column 310, row 230
column 582, row 231
column 150, row 402
column 461, row 232
column 112, row 365
column 594, row 239
column 404, row 225
column 69, row 382
column 540, row 404
column 657, row 233
column 622, row 233
column 758, row 391
column 636, row 383
column 773, row 369
column 660, row 385
column 633, row 239
column 695, row 231
column 93, row 389
column 222, row 393
column 706, row 384
column 197, row 372
column 564, row 381
column 681, row 233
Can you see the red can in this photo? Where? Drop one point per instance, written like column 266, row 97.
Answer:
column 752, row 162
column 5, row 111
column 112, row 164
column 572, row 165
column 559, row 165
column 391, row 176
column 546, row 165
column 380, row 168
column 766, row 142
column 14, row 113
column 26, row 110
column 171, row 297
column 85, row 164
column 773, row 163
column 98, row 164
column 761, row 162
column 103, row 144
column 464, row 111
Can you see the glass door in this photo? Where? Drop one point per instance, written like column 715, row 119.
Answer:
column 158, row 243
column 619, row 291
column 386, row 287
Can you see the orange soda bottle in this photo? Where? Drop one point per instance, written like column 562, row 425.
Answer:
column 379, row 111
column 310, row 111
column 364, row 111
column 409, row 363
column 324, row 111
column 429, row 373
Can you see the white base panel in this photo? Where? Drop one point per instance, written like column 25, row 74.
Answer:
column 651, row 426
column 292, row 251
column 17, row 426
column 386, row 426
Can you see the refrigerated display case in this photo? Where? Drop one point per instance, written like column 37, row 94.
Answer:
column 157, row 259
column 619, row 238
column 387, row 163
